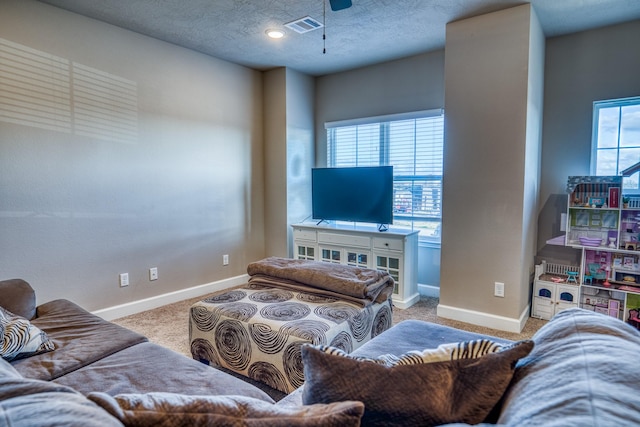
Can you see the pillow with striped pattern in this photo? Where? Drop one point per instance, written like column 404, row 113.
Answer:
column 19, row 338
column 454, row 383
column 449, row 351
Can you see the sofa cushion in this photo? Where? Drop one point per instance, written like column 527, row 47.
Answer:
column 149, row 367
column 417, row 334
column 26, row 403
column 412, row 390
column 80, row 339
column 168, row 409
column 19, row 338
column 18, row 297
column 582, row 371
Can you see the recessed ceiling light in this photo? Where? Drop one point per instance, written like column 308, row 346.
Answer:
column 274, row 33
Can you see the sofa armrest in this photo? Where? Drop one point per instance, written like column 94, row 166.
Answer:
column 80, row 338
column 582, row 371
column 18, row 297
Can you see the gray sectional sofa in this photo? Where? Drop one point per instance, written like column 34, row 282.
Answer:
column 581, row 371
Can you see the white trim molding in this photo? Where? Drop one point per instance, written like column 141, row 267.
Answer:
column 402, row 304
column 487, row 320
column 386, row 118
column 432, row 291
column 117, row 311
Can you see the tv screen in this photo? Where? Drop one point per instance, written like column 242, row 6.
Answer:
column 361, row 194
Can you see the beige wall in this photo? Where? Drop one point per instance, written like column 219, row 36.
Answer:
column 75, row 211
column 288, row 100
column 300, row 149
column 533, row 157
column 275, row 155
column 490, row 186
column 405, row 85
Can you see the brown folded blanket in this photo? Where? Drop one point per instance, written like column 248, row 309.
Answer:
column 360, row 285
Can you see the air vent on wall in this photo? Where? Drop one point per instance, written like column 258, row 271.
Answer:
column 304, row 25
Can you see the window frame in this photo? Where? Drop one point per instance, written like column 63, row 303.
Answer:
column 383, row 144
column 595, row 150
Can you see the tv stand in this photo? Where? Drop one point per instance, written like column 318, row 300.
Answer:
column 395, row 251
column 383, row 227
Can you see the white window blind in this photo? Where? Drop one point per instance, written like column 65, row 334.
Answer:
column 616, row 138
column 413, row 145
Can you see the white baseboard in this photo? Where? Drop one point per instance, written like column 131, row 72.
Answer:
column 487, row 320
column 117, row 311
column 402, row 304
column 429, row 291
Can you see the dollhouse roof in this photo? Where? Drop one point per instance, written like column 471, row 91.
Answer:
column 574, row 181
column 631, row 170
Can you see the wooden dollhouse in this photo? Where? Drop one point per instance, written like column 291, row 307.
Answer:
column 604, row 224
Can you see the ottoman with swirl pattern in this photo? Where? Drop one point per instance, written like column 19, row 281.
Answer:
column 257, row 331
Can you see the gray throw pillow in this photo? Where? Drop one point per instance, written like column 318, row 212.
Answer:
column 169, row 409
column 19, row 338
column 458, row 382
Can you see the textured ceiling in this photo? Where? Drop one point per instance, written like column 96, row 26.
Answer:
column 370, row 31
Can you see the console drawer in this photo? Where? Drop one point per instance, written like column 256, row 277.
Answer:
column 308, row 235
column 387, row 243
column 344, row 240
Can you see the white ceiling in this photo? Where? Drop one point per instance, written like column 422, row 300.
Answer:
column 369, row 32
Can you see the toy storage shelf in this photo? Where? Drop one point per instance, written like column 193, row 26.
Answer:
column 593, row 210
column 605, row 225
column 611, row 300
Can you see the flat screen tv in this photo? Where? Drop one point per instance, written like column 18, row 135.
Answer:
column 360, row 194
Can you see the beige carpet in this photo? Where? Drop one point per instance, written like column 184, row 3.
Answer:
column 169, row 325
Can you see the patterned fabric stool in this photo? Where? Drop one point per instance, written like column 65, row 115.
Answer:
column 257, row 330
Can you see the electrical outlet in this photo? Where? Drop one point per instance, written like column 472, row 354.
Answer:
column 124, row 279
column 225, row 259
column 499, row 289
column 153, row 273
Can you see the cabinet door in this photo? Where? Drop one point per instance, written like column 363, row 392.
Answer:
column 563, row 305
column 391, row 263
column 305, row 244
column 542, row 308
column 544, row 290
column 305, row 251
column 567, row 294
column 357, row 258
column 331, row 254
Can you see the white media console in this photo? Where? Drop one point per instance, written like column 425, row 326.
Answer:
column 395, row 251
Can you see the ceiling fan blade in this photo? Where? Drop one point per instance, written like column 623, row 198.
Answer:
column 340, row 4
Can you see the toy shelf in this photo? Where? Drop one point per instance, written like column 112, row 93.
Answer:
column 605, row 225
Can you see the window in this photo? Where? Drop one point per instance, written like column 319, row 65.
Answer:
column 616, row 138
column 413, row 145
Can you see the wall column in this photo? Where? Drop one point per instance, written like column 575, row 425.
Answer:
column 494, row 66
